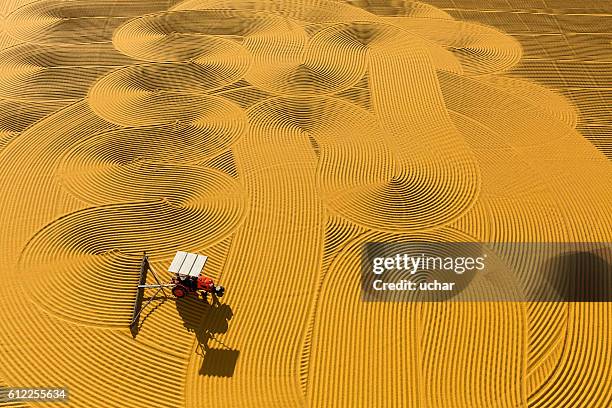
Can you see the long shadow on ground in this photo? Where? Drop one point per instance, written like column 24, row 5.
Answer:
column 207, row 320
column 582, row 276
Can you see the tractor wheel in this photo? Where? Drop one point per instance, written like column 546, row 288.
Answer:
column 219, row 291
column 179, row 291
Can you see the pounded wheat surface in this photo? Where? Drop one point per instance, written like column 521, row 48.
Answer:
column 276, row 137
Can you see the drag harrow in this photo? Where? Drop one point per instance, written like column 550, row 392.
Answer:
column 187, row 280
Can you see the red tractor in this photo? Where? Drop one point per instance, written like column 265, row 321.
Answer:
column 188, row 278
column 184, row 285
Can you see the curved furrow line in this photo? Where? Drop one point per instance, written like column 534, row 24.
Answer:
column 152, row 165
column 86, row 262
column 176, row 184
column 319, row 65
column 376, row 337
column 202, row 37
column 480, row 49
column 459, row 335
column 5, row 137
column 351, row 169
column 55, row 73
column 283, row 62
column 105, row 278
column 517, row 203
column 556, row 104
column 6, row 40
column 547, row 145
column 400, row 9
column 279, row 167
column 118, row 100
column 311, row 11
column 86, row 366
column 78, row 21
column 339, row 232
column 357, row 96
column 277, row 137
column 245, row 96
column 223, row 162
column 580, row 376
column 442, row 56
column 545, row 126
column 557, row 221
column 36, row 148
column 164, row 144
column 16, row 116
column 173, row 78
column 438, row 171
column 547, row 328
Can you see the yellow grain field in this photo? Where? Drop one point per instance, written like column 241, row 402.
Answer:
column 278, row 136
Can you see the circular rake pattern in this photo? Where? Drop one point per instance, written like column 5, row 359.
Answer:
column 401, row 8
column 51, row 72
column 83, row 266
column 315, row 66
column 479, row 49
column 77, row 21
column 279, row 57
column 95, row 183
column 170, row 78
column 205, row 36
column 389, row 170
column 123, row 98
column 318, row 11
column 16, row 115
column 165, row 144
column 360, row 177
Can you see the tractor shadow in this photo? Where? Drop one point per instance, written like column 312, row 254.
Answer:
column 207, row 320
column 582, row 276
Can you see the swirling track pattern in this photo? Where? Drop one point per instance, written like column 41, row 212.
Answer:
column 277, row 137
